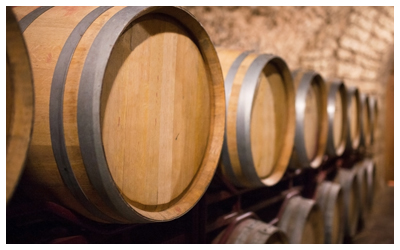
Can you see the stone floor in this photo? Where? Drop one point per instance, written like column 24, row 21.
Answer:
column 379, row 224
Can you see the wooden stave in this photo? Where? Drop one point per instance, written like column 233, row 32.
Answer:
column 19, row 120
column 249, row 177
column 296, row 214
column 328, row 195
column 299, row 158
column 335, row 86
column 347, row 180
column 130, row 215
column 351, row 145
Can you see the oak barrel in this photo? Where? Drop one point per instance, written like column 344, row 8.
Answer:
column 19, row 103
column 330, row 199
column 347, row 180
column 369, row 164
column 360, row 171
column 373, row 106
column 260, row 118
column 353, row 120
column 302, row 221
column 252, row 231
column 337, row 116
column 311, row 120
column 365, row 121
column 130, row 110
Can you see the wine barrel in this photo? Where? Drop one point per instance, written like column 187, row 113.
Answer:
column 371, row 179
column 347, row 180
column 251, row 231
column 337, row 116
column 302, row 221
column 19, row 103
column 353, row 120
column 311, row 120
column 365, row 121
column 360, row 171
column 362, row 180
column 260, row 118
column 130, row 110
column 330, row 199
column 373, row 107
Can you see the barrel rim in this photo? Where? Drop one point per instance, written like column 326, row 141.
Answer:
column 89, row 115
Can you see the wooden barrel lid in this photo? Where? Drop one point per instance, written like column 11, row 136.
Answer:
column 353, row 119
column 310, row 125
column 161, row 113
column 156, row 111
column 268, row 121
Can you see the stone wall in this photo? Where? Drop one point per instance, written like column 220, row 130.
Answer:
column 351, row 43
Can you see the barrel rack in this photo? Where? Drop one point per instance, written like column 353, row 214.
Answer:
column 222, row 206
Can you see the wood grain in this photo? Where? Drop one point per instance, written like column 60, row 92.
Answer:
column 156, row 119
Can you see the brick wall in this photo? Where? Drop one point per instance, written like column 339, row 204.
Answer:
column 352, row 43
